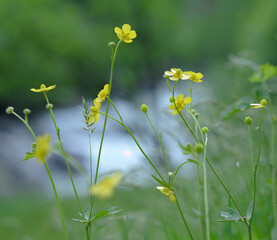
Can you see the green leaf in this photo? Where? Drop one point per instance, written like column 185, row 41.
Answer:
column 194, row 161
column 231, row 215
column 28, row 156
column 241, row 105
column 265, row 73
column 106, row 211
column 160, row 181
column 188, row 148
column 249, row 210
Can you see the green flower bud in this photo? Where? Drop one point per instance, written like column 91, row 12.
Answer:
column 170, row 174
column 248, row 120
column 34, row 145
column 192, row 111
column 144, row 108
column 49, row 106
column 9, row 110
column 198, row 147
column 205, row 130
column 111, row 44
column 263, row 102
column 196, row 115
column 171, row 99
column 26, row 111
column 166, row 76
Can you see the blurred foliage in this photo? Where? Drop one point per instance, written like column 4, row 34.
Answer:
column 65, row 42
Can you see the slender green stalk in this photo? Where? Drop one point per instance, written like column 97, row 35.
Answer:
column 26, row 124
column 250, row 147
column 190, row 106
column 90, row 163
column 183, row 218
column 206, row 191
column 57, row 199
column 64, row 155
column 199, row 201
column 230, row 224
column 255, row 177
column 132, row 135
column 273, row 173
column 160, row 141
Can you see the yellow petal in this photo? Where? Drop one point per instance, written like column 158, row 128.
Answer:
column 117, row 30
column 174, row 78
column 127, row 40
column 90, row 120
column 97, row 117
column 172, row 196
column 185, row 76
column 132, row 34
column 187, row 100
column 126, row 28
column 256, row 105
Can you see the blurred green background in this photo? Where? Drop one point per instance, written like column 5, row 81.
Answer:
column 65, row 42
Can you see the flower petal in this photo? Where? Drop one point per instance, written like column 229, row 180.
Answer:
column 187, row 100
column 117, row 30
column 132, row 34
column 168, row 73
column 127, row 40
column 126, row 28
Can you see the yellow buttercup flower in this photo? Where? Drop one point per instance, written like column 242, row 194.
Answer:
column 103, row 93
column 105, row 187
column 95, row 115
column 259, row 105
column 43, row 147
column 176, row 73
column 180, row 103
column 43, row 88
column 168, row 192
column 125, row 34
column 195, row 77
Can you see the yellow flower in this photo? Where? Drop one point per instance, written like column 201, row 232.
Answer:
column 259, row 105
column 43, row 88
column 43, row 147
column 175, row 73
column 95, row 115
column 103, row 93
column 180, row 103
column 168, row 192
column 195, row 77
column 105, row 187
column 125, row 34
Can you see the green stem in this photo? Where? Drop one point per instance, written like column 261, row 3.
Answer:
column 273, row 169
column 190, row 94
column 250, row 147
column 26, row 124
column 206, row 191
column 64, row 155
column 132, row 135
column 160, row 141
column 249, row 232
column 199, row 201
column 183, row 218
column 105, row 123
column 57, row 199
column 230, row 224
column 255, row 177
column 90, row 164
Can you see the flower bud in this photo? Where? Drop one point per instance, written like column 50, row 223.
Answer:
column 144, row 108
column 26, row 111
column 34, row 145
column 192, row 111
column 49, row 106
column 111, row 44
column 196, row 115
column 248, row 120
column 263, row 102
column 198, row 147
column 171, row 99
column 166, row 76
column 170, row 174
column 205, row 130
column 9, row 110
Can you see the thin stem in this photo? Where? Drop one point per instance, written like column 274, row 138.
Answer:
column 183, row 218
column 90, row 164
column 230, row 224
column 249, row 232
column 255, row 176
column 190, row 94
column 132, row 135
column 64, row 155
column 57, row 199
column 105, row 123
column 199, row 201
column 206, row 191
column 250, row 147
column 273, row 169
column 160, row 141
column 26, row 124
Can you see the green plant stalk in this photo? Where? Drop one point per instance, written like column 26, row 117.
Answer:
column 206, row 191
column 160, row 141
column 64, row 155
column 212, row 168
column 26, row 124
column 57, row 199
column 190, row 106
column 90, row 164
column 104, row 127
column 199, row 201
column 255, row 177
column 183, row 218
column 273, row 169
column 250, row 147
column 132, row 135
column 230, row 224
